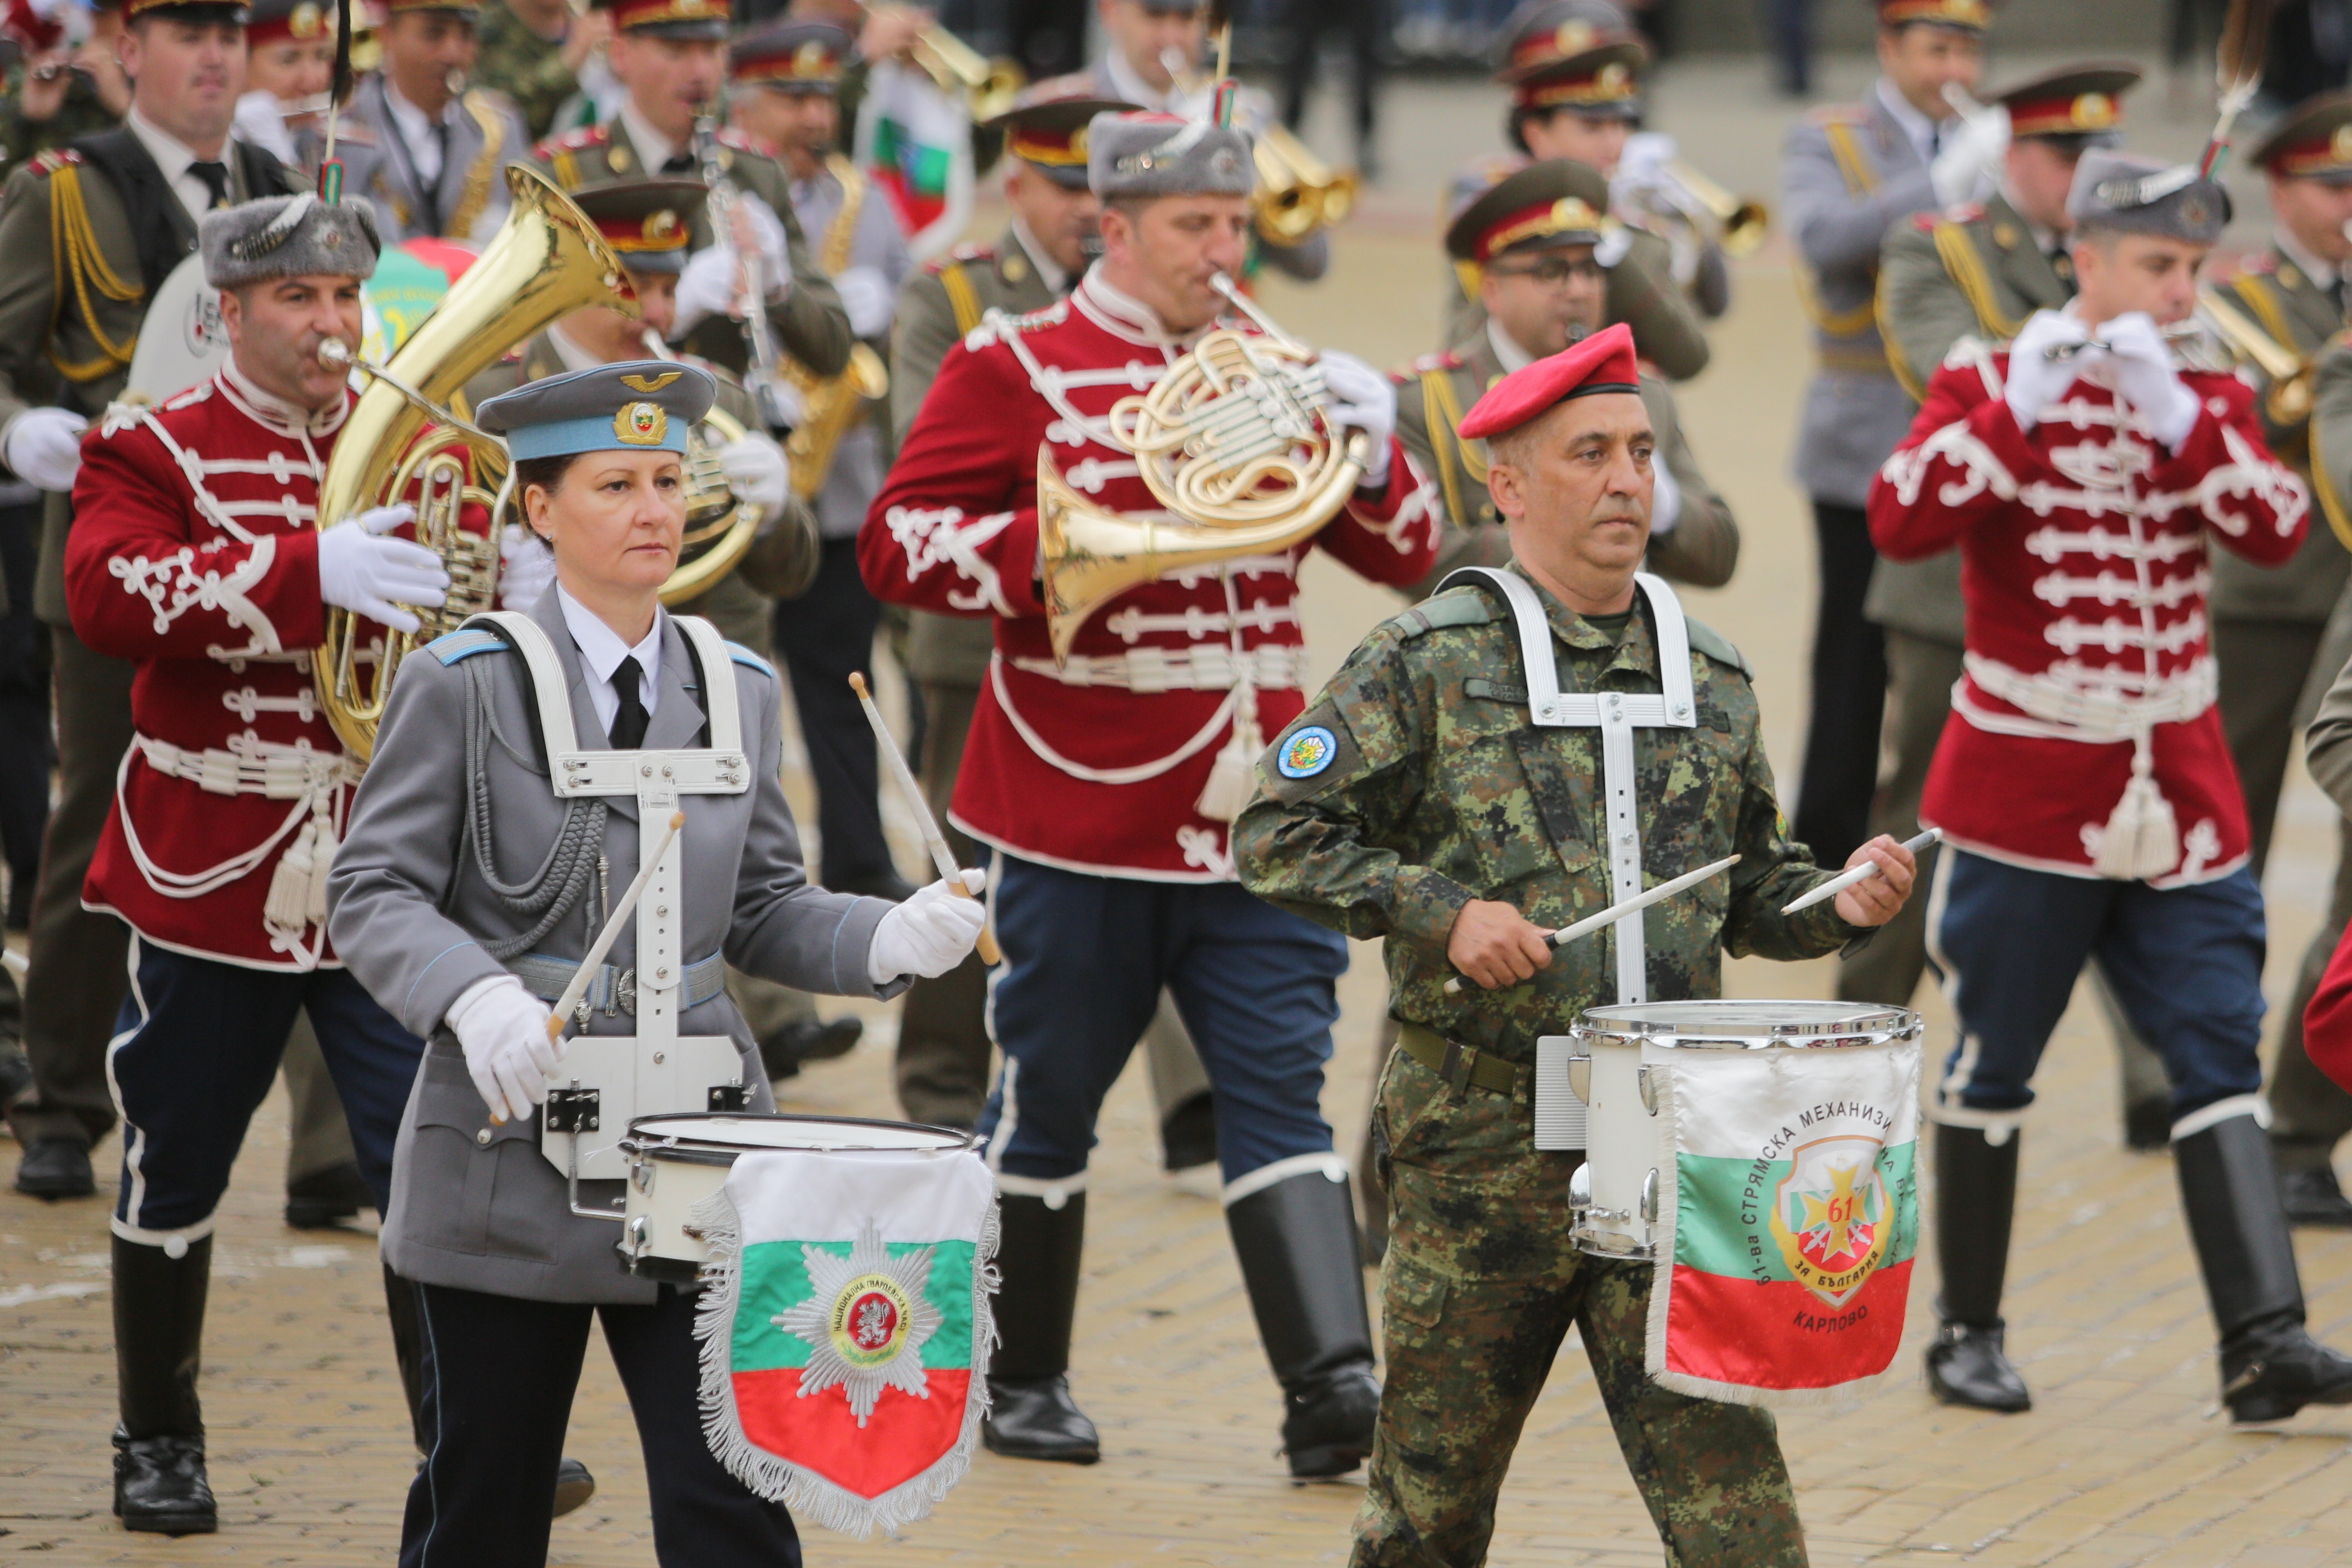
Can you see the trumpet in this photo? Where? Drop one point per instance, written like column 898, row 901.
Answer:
column 1681, row 194
column 1297, row 193
column 2288, row 401
column 1232, row 441
column 989, row 87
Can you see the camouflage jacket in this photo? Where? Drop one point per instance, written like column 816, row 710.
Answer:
column 1437, row 790
column 512, row 60
column 82, row 114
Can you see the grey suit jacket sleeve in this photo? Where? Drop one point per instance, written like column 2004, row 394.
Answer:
column 393, row 874
column 1835, row 230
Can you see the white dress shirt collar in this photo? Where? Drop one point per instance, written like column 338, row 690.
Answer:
column 1047, row 267
column 1921, row 129
column 2323, row 274
column 173, row 156
column 600, row 653
column 1127, row 83
column 653, row 149
column 414, row 128
column 573, row 356
column 1506, row 348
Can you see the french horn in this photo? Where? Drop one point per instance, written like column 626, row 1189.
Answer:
column 1232, row 441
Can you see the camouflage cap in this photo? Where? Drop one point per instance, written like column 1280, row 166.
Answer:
column 288, row 236
column 2118, row 193
column 1131, row 155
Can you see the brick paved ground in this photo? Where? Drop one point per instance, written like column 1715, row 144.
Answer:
column 2125, row 1460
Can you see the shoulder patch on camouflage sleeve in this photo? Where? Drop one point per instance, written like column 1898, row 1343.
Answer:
column 1316, row 751
column 1455, row 607
column 1705, row 639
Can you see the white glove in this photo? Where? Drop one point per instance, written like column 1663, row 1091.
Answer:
column 1970, row 165
column 360, row 570
column 791, row 407
column 756, row 470
column 711, row 285
column 866, row 295
column 503, row 1029
column 1362, row 399
column 2146, row 377
column 2034, row 378
column 526, row 567
column 929, row 933
column 1665, row 499
column 44, row 447
column 1644, row 162
column 261, row 120
column 767, row 242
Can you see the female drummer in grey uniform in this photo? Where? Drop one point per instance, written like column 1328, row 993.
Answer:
column 494, row 826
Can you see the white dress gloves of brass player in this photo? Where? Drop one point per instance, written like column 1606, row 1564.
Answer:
column 756, row 470
column 930, row 932
column 502, row 1029
column 1362, row 399
column 867, row 295
column 44, row 447
column 2145, row 379
column 2035, row 378
column 1666, row 498
column 1968, row 167
column 526, row 567
column 360, row 568
column 712, row 284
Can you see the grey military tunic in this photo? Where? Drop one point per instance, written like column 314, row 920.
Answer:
column 1973, row 271
column 479, row 1208
column 467, row 201
column 1846, row 174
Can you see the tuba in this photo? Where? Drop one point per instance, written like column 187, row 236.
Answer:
column 1232, row 441
column 544, row 262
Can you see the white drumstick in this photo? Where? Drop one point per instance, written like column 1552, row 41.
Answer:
column 1866, row 870
column 920, row 809
column 1616, row 912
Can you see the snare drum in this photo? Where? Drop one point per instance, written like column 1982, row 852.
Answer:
column 674, row 1162
column 1623, row 1057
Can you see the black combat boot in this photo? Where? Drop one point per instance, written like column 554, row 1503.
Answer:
column 1300, row 1259
column 1031, row 1415
column 325, row 1198
column 1976, row 1198
column 1188, row 1135
column 2307, row 1186
column 2228, row 1193
column 159, row 1331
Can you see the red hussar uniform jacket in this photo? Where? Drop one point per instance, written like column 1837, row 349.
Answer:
column 194, row 555
column 2083, row 549
column 1096, row 765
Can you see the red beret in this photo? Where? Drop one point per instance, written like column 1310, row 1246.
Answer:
column 1604, row 363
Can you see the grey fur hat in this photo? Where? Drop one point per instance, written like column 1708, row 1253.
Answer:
column 1161, row 155
column 2119, row 193
column 287, row 236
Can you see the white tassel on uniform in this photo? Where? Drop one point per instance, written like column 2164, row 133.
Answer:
column 287, row 907
column 324, row 845
column 1232, row 779
column 2142, row 837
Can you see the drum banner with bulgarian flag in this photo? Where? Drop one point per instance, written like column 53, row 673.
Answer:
column 845, row 1329
column 1784, row 1260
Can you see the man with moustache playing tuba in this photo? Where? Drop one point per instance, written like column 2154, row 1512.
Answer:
column 1114, row 742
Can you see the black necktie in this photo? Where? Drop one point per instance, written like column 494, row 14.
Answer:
column 680, row 163
column 216, row 179
column 629, row 718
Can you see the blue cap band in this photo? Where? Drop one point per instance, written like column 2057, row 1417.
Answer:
column 568, row 437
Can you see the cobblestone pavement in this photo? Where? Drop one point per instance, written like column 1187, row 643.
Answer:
column 2125, row 1460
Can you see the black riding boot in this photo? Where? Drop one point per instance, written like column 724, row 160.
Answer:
column 159, row 1332
column 1031, row 1414
column 1301, row 1260
column 2228, row 1193
column 1976, row 1198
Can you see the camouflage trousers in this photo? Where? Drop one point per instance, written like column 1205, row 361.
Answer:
column 1479, row 1292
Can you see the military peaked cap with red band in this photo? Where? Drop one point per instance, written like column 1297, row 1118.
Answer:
column 1046, row 127
column 792, row 57
column 1559, row 202
column 1601, row 363
column 686, row 19
column 2313, row 141
column 303, row 21
column 1968, row 15
column 2077, row 101
column 1545, row 32
column 647, row 221
column 1603, row 82
column 193, row 11
column 463, row 8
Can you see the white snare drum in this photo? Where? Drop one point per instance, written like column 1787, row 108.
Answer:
column 676, row 1161
column 1622, row 1056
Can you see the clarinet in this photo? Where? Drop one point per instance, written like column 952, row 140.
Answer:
column 759, row 332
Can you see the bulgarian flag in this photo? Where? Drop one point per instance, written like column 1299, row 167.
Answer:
column 914, row 140
column 845, row 1329
column 1785, row 1262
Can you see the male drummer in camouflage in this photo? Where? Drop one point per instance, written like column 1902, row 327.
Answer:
column 1433, row 814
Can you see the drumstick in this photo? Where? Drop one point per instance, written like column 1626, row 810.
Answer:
column 933, row 840
column 1616, row 912
column 585, row 975
column 1846, row 879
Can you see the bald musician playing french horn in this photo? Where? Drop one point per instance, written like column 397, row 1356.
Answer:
column 1106, row 772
